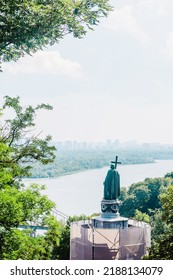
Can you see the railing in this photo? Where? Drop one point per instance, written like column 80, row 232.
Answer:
column 56, row 213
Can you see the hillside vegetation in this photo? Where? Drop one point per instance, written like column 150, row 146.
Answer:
column 67, row 162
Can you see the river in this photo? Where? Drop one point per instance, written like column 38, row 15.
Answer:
column 82, row 192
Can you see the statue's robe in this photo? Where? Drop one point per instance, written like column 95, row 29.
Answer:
column 112, row 185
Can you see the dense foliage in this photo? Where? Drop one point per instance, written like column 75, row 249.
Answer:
column 162, row 235
column 27, row 26
column 20, row 206
column 67, row 162
column 143, row 196
column 26, row 207
column 17, row 137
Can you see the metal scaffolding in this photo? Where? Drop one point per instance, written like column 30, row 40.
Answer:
column 89, row 243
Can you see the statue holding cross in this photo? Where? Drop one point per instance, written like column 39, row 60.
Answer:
column 112, row 182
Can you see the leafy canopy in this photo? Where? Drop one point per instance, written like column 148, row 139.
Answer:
column 162, row 245
column 21, row 206
column 143, row 196
column 25, row 207
column 19, row 146
column 29, row 25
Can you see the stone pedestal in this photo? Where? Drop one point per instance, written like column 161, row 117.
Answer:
column 110, row 208
column 110, row 217
column 118, row 222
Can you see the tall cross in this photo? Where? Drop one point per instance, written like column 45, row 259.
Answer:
column 116, row 162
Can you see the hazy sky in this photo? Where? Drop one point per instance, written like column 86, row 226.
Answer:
column 116, row 83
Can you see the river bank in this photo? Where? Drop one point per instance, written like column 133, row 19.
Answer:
column 82, row 192
column 84, row 170
column 70, row 162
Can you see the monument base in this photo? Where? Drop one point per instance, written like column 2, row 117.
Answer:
column 110, row 217
column 110, row 222
column 110, row 207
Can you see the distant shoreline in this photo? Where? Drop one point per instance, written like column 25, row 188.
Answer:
column 88, row 169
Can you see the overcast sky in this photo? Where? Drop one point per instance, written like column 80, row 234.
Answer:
column 116, row 83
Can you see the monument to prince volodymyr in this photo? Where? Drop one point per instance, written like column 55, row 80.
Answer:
column 110, row 217
column 109, row 236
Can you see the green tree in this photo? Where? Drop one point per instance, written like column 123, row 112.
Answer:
column 169, row 175
column 143, row 196
column 136, row 199
column 154, row 186
column 162, row 245
column 21, row 206
column 17, row 137
column 158, row 225
column 139, row 216
column 167, row 205
column 123, row 194
column 5, row 169
column 26, row 207
column 127, row 207
column 26, row 26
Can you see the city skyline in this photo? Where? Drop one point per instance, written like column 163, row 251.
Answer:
column 116, row 143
